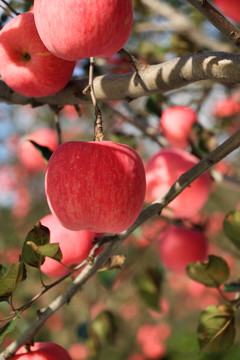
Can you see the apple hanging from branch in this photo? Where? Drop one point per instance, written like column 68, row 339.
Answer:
column 42, row 351
column 75, row 30
column 26, row 65
column 97, row 186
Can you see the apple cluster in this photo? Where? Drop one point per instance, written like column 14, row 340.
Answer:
column 39, row 48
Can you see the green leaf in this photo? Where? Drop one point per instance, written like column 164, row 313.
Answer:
column 44, row 150
column 216, row 330
column 9, row 327
column 39, row 235
column 148, row 285
column 107, row 278
column 154, row 104
column 212, row 273
column 3, row 270
column 50, row 250
column 231, row 227
column 104, row 327
column 232, row 287
column 9, row 282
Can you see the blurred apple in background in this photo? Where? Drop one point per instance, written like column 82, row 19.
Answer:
column 179, row 246
column 78, row 351
column 75, row 246
column 29, row 156
column 163, row 169
column 230, row 8
column 97, row 185
column 176, row 123
column 226, row 107
column 83, row 28
column 151, row 339
column 26, row 66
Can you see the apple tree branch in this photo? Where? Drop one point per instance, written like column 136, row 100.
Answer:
column 114, row 241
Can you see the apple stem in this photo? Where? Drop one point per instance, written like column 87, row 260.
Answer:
column 137, row 65
column 98, row 124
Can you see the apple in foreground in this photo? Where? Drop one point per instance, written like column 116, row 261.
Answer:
column 42, row 351
column 81, row 29
column 75, row 246
column 97, row 185
column 176, row 123
column 230, row 8
column 163, row 169
column 29, row 156
column 26, row 65
column 179, row 246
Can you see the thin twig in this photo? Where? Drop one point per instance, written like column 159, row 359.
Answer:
column 56, row 110
column 142, row 125
column 136, row 64
column 10, row 7
column 7, row 11
column 181, row 23
column 218, row 20
column 98, row 125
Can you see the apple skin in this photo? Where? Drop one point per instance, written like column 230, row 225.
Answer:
column 176, row 123
column 179, row 246
column 163, row 169
column 230, row 8
column 226, row 107
column 26, row 65
column 42, row 351
column 82, row 29
column 29, row 156
column 75, row 246
column 97, row 185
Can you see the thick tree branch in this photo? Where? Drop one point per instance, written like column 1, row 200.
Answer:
column 152, row 79
column 116, row 240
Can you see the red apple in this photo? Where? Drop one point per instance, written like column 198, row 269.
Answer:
column 26, row 65
column 163, row 169
column 179, row 246
column 81, row 29
column 75, row 246
column 151, row 339
column 97, row 186
column 42, row 351
column 79, row 351
column 29, row 156
column 226, row 107
column 176, row 124
column 230, row 8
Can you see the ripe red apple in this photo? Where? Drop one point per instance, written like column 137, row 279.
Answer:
column 75, row 246
column 163, row 169
column 226, row 107
column 42, row 351
column 230, row 8
column 85, row 28
column 151, row 339
column 26, row 65
column 97, row 186
column 179, row 246
column 176, row 124
column 29, row 156
column 78, row 351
